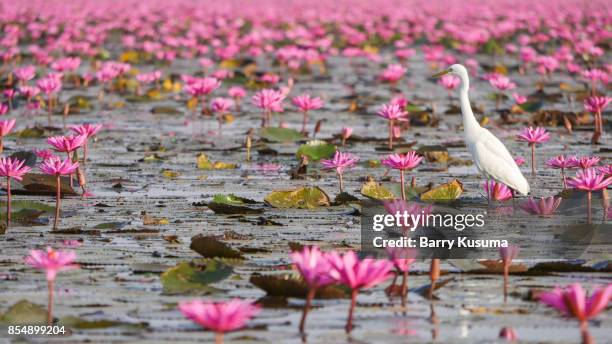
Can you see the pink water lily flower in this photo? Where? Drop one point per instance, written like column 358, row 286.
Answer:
column 345, row 134
column 572, row 301
column 584, row 162
column 219, row 317
column 87, row 130
column 56, row 167
column 340, row 162
column 49, row 85
column 52, row 262
column 403, row 163
column 519, row 99
column 237, row 93
column 11, row 168
column 589, row 180
column 545, row 206
column 306, row 103
column 67, row 144
column 269, row 101
column 410, row 208
column 532, row 137
column 392, row 112
column 313, row 267
column 496, row 191
column 393, row 73
column 509, row 334
column 606, row 170
column 25, row 73
column 6, row 125
column 357, row 274
column 596, row 105
column 563, row 163
column 502, row 82
column 449, row 82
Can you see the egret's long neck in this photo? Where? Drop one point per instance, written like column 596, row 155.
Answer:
column 469, row 121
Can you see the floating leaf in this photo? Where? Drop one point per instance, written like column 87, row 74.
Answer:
column 149, row 220
column 23, row 211
column 303, row 198
column 204, row 164
column 80, row 102
column 210, row 247
column 194, row 277
column 445, row 192
column 374, row 190
column 344, row 197
column 111, row 225
column 165, row 110
column 170, row 174
column 232, row 199
column 24, row 313
column 42, row 184
column 28, row 157
column 434, row 153
column 280, row 134
column 31, row 133
column 232, row 204
column 532, row 106
column 316, row 150
column 289, row 286
column 81, row 324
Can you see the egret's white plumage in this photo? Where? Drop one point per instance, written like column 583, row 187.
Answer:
column 490, row 155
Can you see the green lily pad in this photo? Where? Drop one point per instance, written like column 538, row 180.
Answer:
column 316, row 150
column 42, row 184
column 28, row 157
column 288, row 285
column 80, row 102
column 165, row 110
column 280, row 134
column 81, row 324
column 23, row 210
column 30, row 133
column 532, row 106
column 210, row 247
column 194, row 277
column 203, row 163
column 232, row 199
column 111, row 225
column 434, row 153
column 445, row 192
column 374, row 190
column 302, row 198
column 344, row 198
column 24, row 313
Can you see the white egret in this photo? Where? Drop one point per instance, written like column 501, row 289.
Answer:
column 490, row 155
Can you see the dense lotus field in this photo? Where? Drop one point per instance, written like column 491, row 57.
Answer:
column 200, row 171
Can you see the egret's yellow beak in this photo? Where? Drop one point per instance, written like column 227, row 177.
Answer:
column 439, row 74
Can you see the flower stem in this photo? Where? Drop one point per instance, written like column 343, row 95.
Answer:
column 341, row 182
column 49, row 109
column 218, row 337
column 8, row 202
column 57, row 201
column 434, row 274
column 50, row 303
column 589, row 207
column 391, row 134
column 403, row 188
column 533, row 170
column 506, row 272
column 304, row 122
column 404, row 287
column 1, row 144
column 349, row 321
column 563, row 177
column 309, row 297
